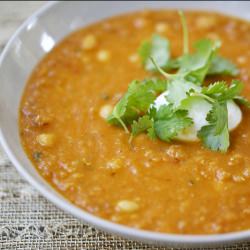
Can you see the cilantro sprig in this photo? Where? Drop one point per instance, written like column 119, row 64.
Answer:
column 164, row 123
column 136, row 110
column 215, row 136
column 136, row 101
column 158, row 48
column 168, row 122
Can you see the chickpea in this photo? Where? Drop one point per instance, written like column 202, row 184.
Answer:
column 133, row 58
column 105, row 111
column 103, row 56
column 89, row 42
column 161, row 27
column 46, row 140
column 203, row 22
column 127, row 206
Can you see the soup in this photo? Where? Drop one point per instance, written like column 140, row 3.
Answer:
column 177, row 187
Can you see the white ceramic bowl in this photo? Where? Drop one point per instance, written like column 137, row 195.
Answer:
column 36, row 37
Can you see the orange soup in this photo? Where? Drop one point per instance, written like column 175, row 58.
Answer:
column 176, row 187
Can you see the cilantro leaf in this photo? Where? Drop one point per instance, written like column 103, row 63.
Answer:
column 143, row 124
column 169, row 122
column 218, row 116
column 178, row 89
column 222, row 66
column 151, row 133
column 233, row 90
column 164, row 112
column 215, row 136
column 221, row 92
column 215, row 88
column 173, row 63
column 242, row 100
column 212, row 141
column 118, row 112
column 195, row 66
column 136, row 101
column 158, row 48
column 219, row 66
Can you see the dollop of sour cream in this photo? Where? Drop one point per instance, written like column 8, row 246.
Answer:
column 198, row 110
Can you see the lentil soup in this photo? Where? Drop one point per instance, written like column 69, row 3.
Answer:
column 177, row 187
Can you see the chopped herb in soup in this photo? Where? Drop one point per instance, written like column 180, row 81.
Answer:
column 143, row 120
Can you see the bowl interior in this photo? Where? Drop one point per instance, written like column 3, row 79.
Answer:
column 36, row 37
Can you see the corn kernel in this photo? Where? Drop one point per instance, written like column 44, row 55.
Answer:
column 46, row 140
column 105, row 111
column 203, row 22
column 103, row 55
column 133, row 58
column 89, row 42
column 127, row 206
column 161, row 27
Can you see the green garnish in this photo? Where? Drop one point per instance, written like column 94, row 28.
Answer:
column 179, row 89
column 144, row 123
column 179, row 92
column 222, row 92
column 165, row 123
column 215, row 136
column 168, row 122
column 185, row 32
column 222, row 66
column 136, row 101
column 195, row 66
column 242, row 101
column 158, row 48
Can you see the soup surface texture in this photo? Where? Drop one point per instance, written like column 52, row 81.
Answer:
column 172, row 187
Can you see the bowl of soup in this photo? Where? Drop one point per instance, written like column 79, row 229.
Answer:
column 68, row 76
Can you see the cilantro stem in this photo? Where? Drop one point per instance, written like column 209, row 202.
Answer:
column 209, row 99
column 160, row 69
column 185, row 32
column 123, row 125
column 130, row 139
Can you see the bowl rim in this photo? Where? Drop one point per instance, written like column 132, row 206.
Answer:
column 103, row 224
